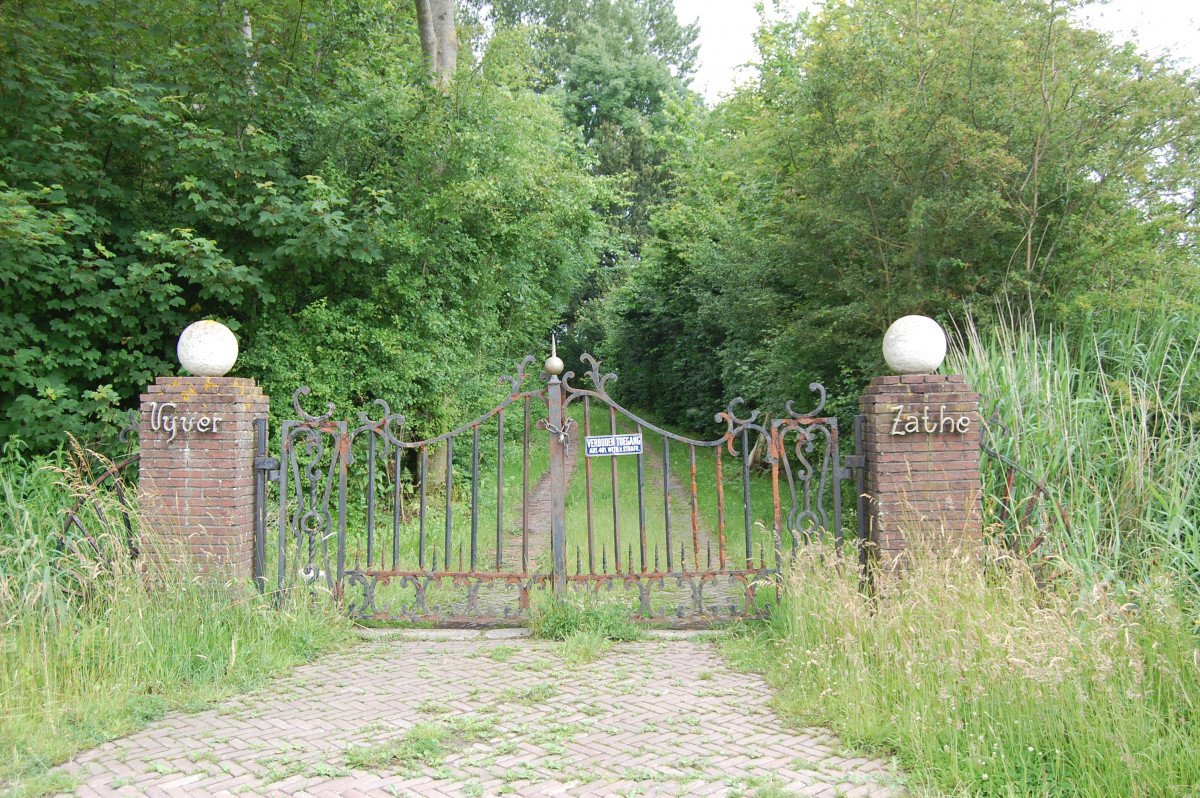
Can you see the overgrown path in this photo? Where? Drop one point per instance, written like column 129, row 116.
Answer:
column 538, row 515
column 468, row 714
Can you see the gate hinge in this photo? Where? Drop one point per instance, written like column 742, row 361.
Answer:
column 855, row 460
column 268, row 464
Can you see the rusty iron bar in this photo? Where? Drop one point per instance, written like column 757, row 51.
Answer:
column 641, row 487
column 525, row 497
column 667, row 499
column 371, row 500
column 612, row 425
column 720, row 510
column 557, row 426
column 447, row 547
column 746, row 496
column 587, row 473
column 695, row 512
column 397, row 508
column 424, row 482
column 474, row 497
column 777, row 454
column 500, row 490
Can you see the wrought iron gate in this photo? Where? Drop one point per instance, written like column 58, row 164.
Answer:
column 354, row 507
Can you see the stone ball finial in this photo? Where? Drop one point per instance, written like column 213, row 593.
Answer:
column 914, row 345
column 207, row 349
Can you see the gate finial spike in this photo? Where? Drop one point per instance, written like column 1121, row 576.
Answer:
column 554, row 365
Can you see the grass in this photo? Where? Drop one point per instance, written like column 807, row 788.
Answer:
column 1066, row 660
column 553, row 618
column 91, row 650
column 985, row 683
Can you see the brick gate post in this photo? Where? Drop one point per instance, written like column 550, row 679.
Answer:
column 921, row 433
column 196, row 483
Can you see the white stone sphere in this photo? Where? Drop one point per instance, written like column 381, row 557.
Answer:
column 914, row 345
column 207, row 349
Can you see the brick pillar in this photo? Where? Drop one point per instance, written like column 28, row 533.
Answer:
column 196, row 483
column 922, row 436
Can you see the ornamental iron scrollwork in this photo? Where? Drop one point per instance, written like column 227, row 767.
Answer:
column 434, row 529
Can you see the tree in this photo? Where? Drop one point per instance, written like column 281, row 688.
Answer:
column 898, row 157
column 439, row 38
column 356, row 226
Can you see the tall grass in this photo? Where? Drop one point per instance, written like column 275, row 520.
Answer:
column 1061, row 668
column 1107, row 417
column 985, row 683
column 92, row 648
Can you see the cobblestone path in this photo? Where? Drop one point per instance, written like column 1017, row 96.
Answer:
column 506, row 715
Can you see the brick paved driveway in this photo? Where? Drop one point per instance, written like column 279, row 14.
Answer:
column 662, row 717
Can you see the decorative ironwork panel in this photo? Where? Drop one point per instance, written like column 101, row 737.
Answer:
column 470, row 526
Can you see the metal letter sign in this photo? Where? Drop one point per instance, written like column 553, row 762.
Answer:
column 601, row 445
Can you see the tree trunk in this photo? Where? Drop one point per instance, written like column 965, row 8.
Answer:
column 439, row 38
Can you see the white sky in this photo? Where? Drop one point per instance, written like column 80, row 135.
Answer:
column 727, row 30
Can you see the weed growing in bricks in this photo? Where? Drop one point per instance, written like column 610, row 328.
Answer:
column 424, row 745
column 555, row 618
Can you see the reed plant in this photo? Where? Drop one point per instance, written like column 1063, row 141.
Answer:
column 1106, row 415
column 94, row 645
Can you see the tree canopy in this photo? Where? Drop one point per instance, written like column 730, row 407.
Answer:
column 360, row 230
column 293, row 172
column 907, row 157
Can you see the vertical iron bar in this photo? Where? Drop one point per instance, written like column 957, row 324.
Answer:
column 525, row 499
column 695, row 511
column 746, row 496
column 474, row 497
column 667, row 497
column 371, row 499
column 285, row 456
column 260, row 505
column 397, row 510
column 777, row 454
column 424, row 483
column 720, row 510
column 500, row 492
column 449, row 505
column 558, row 511
column 861, row 490
column 343, row 466
column 612, row 458
column 587, row 473
column 641, row 483
column 837, row 486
